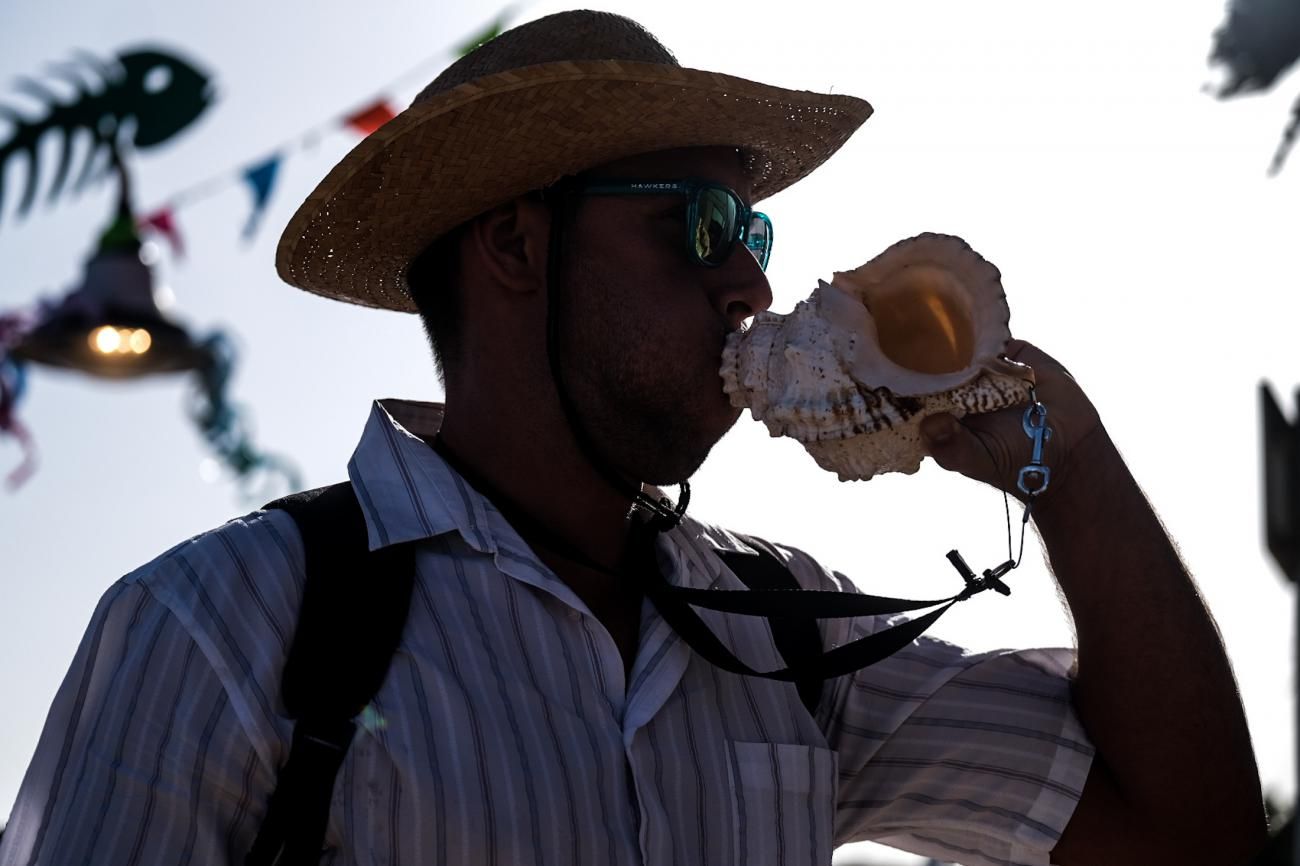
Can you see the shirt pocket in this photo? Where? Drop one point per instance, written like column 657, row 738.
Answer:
column 783, row 797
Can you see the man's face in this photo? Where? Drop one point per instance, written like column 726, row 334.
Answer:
column 644, row 325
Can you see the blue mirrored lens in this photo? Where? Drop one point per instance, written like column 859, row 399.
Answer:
column 758, row 239
column 715, row 224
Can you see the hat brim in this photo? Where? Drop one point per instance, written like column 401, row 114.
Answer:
column 446, row 160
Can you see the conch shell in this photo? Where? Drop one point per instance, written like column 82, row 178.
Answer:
column 852, row 370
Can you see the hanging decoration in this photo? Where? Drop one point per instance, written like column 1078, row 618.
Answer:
column 13, row 382
column 260, row 176
column 110, row 325
column 151, row 93
column 224, row 424
column 159, row 93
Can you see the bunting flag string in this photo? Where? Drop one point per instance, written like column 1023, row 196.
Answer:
column 260, row 176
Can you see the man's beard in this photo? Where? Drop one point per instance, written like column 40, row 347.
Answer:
column 646, row 422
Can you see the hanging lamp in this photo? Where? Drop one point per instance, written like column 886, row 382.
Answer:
column 110, row 325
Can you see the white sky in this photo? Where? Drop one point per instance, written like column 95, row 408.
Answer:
column 1139, row 239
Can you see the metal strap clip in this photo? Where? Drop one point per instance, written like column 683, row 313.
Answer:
column 1035, row 475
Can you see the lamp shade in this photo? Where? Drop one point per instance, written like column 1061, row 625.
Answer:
column 110, row 326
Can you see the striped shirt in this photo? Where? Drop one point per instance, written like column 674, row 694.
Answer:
column 506, row 733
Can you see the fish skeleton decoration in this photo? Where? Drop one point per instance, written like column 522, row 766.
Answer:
column 142, row 98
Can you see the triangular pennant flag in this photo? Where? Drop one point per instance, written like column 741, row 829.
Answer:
column 492, row 31
column 260, row 179
column 164, row 222
column 367, row 120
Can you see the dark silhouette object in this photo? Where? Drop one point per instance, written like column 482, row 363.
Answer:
column 142, row 98
column 1280, row 847
column 1259, row 41
column 1281, row 469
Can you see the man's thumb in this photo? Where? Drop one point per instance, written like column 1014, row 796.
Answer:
column 952, row 446
column 939, row 430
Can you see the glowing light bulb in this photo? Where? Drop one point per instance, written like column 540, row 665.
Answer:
column 105, row 340
column 140, row 341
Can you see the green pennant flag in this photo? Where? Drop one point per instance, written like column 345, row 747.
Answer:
column 492, row 32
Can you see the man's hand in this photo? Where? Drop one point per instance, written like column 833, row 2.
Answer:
column 992, row 447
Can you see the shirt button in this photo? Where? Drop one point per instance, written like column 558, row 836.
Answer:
column 574, row 614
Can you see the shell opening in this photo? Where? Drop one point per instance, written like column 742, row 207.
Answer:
column 924, row 321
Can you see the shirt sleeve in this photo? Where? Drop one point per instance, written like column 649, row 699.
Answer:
column 142, row 759
column 976, row 758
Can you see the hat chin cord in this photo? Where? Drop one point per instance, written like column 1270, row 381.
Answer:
column 663, row 514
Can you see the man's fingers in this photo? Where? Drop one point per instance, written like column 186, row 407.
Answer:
column 994, row 446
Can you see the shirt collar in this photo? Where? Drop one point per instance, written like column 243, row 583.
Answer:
column 407, row 492
column 717, row 537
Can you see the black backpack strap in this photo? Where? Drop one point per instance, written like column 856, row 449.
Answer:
column 798, row 639
column 353, row 610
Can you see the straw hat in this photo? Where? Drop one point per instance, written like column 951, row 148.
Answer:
column 547, row 99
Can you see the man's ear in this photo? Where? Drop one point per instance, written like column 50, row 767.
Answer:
column 510, row 243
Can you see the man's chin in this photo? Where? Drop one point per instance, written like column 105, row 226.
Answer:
column 683, row 442
column 685, row 461
column 727, row 419
column 675, row 475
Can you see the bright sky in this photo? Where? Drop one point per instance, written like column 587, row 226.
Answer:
column 1139, row 239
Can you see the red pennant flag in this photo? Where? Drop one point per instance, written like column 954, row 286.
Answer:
column 164, row 222
column 367, row 120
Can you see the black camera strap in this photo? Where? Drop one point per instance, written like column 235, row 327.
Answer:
column 675, row 604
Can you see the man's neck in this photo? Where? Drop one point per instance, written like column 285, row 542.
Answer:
column 540, row 472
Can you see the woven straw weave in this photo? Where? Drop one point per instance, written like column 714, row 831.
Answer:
column 510, row 117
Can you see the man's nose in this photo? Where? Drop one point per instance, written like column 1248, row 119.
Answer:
column 745, row 292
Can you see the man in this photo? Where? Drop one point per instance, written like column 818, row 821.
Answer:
column 542, row 200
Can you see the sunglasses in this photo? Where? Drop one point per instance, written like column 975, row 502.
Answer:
column 716, row 218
